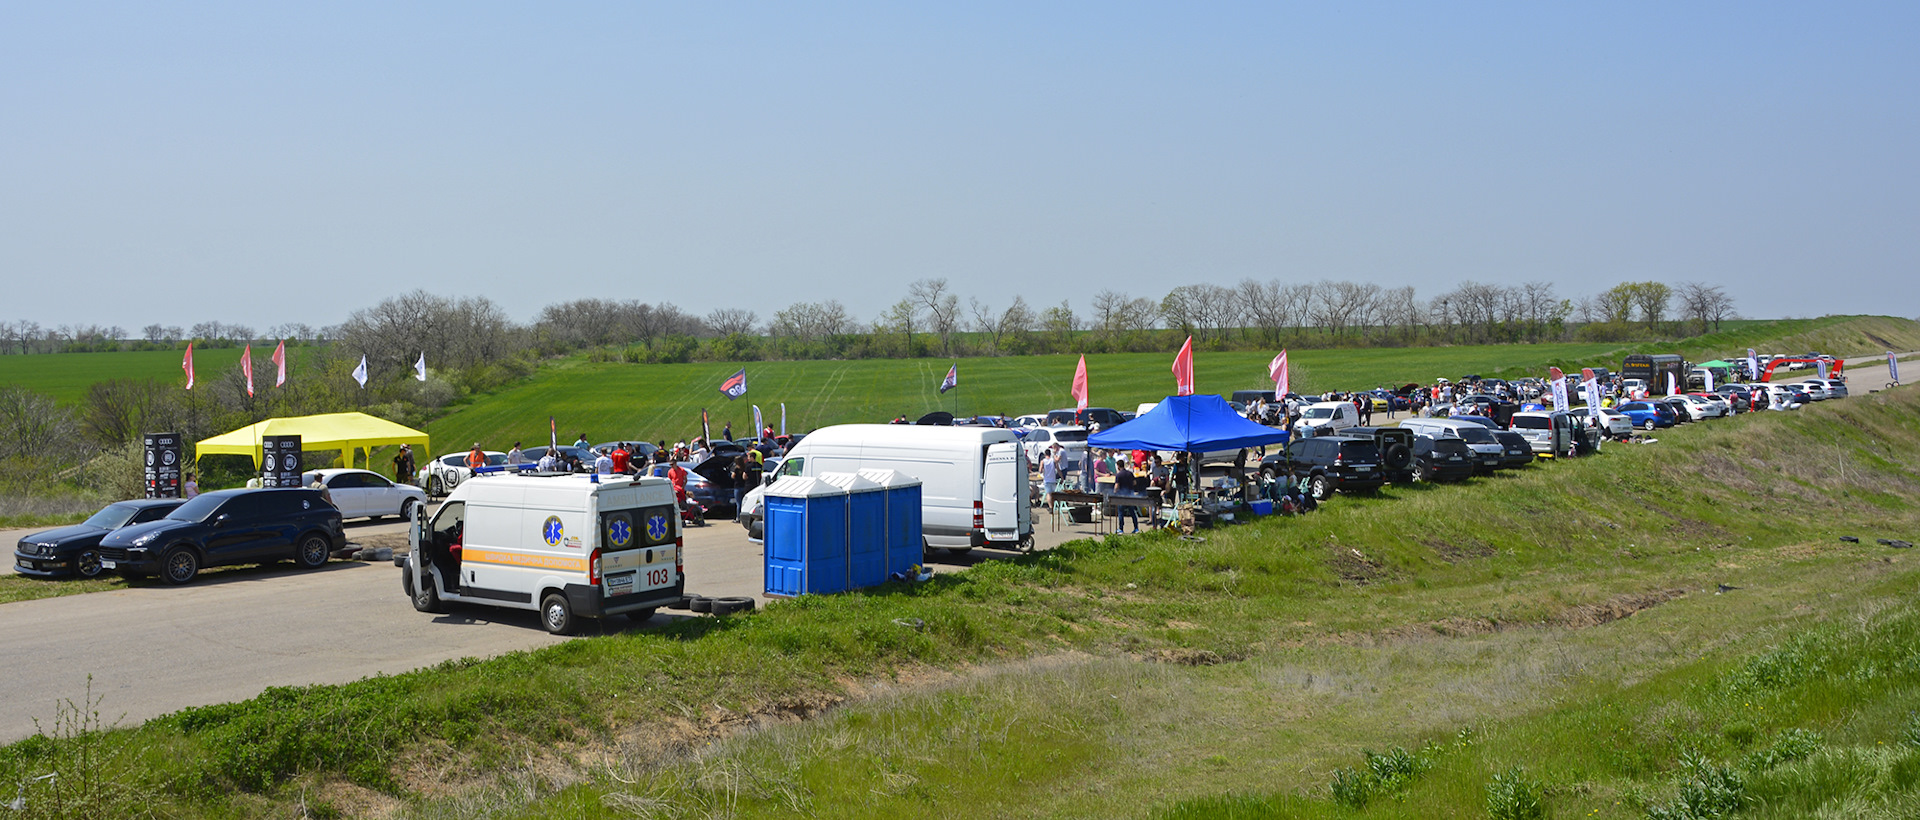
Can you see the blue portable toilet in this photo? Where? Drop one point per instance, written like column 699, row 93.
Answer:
column 866, row 528
column 905, row 546
column 806, row 537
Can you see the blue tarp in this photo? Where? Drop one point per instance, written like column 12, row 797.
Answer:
column 1194, row 424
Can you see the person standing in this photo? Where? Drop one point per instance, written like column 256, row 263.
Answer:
column 603, row 464
column 476, row 458
column 582, row 442
column 550, row 463
column 191, row 488
column 403, row 470
column 1050, row 472
column 620, row 458
column 726, row 431
column 515, row 456
column 1124, row 483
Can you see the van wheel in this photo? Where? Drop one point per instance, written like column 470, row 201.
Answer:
column 312, row 552
column 426, row 598
column 557, row 615
column 179, row 566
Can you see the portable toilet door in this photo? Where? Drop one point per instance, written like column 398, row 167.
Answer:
column 905, row 546
column 866, row 548
column 806, row 537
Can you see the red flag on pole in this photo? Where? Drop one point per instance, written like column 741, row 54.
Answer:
column 1277, row 370
column 187, row 365
column 1080, row 383
column 280, row 364
column 1183, row 370
column 246, row 366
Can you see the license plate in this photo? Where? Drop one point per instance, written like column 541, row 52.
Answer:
column 1361, row 468
column 105, row 564
column 620, row 584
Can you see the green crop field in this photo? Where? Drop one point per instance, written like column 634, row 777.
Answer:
column 637, row 401
column 66, row 376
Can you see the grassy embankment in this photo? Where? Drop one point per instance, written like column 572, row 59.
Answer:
column 1482, row 626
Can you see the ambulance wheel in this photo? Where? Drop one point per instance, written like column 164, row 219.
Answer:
column 425, row 599
column 640, row 616
column 557, row 615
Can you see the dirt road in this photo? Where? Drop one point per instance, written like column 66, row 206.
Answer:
column 153, row 649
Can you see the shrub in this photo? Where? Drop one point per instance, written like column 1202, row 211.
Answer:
column 1511, row 795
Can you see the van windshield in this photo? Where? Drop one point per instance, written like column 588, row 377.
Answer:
column 1318, row 413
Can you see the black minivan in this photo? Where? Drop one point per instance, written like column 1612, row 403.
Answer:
column 228, row 527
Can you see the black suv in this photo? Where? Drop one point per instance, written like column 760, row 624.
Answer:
column 228, row 527
column 1396, row 449
column 1515, row 451
column 1329, row 463
column 1442, row 459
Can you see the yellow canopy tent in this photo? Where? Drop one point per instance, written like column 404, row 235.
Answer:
column 345, row 432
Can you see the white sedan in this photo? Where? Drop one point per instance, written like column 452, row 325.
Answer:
column 366, row 494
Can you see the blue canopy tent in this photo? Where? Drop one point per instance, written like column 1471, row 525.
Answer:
column 1190, row 424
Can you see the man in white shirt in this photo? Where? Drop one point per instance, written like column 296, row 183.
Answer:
column 515, row 455
column 603, row 464
column 550, row 463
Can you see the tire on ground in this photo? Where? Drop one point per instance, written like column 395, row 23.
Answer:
column 556, row 615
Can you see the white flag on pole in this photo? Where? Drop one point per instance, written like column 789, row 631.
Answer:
column 420, row 367
column 360, row 373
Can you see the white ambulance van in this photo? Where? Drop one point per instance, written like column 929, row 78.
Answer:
column 973, row 480
column 568, row 546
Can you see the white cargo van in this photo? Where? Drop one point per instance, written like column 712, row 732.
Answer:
column 567, row 546
column 973, row 480
column 1327, row 418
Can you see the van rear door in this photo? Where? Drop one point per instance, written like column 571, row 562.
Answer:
column 639, row 550
column 1003, row 493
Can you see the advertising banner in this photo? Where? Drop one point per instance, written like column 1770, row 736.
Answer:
column 280, row 461
column 163, row 464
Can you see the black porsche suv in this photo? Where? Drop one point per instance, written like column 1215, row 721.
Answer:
column 1329, row 463
column 228, row 527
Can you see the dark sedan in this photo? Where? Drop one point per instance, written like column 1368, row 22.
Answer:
column 75, row 550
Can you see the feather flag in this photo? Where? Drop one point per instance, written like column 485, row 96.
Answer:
column 783, row 418
column 246, row 366
column 757, row 426
column 1183, row 369
column 1277, row 370
column 187, row 365
column 1079, row 391
column 280, row 364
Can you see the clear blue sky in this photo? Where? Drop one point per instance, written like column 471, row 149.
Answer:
column 271, row 162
